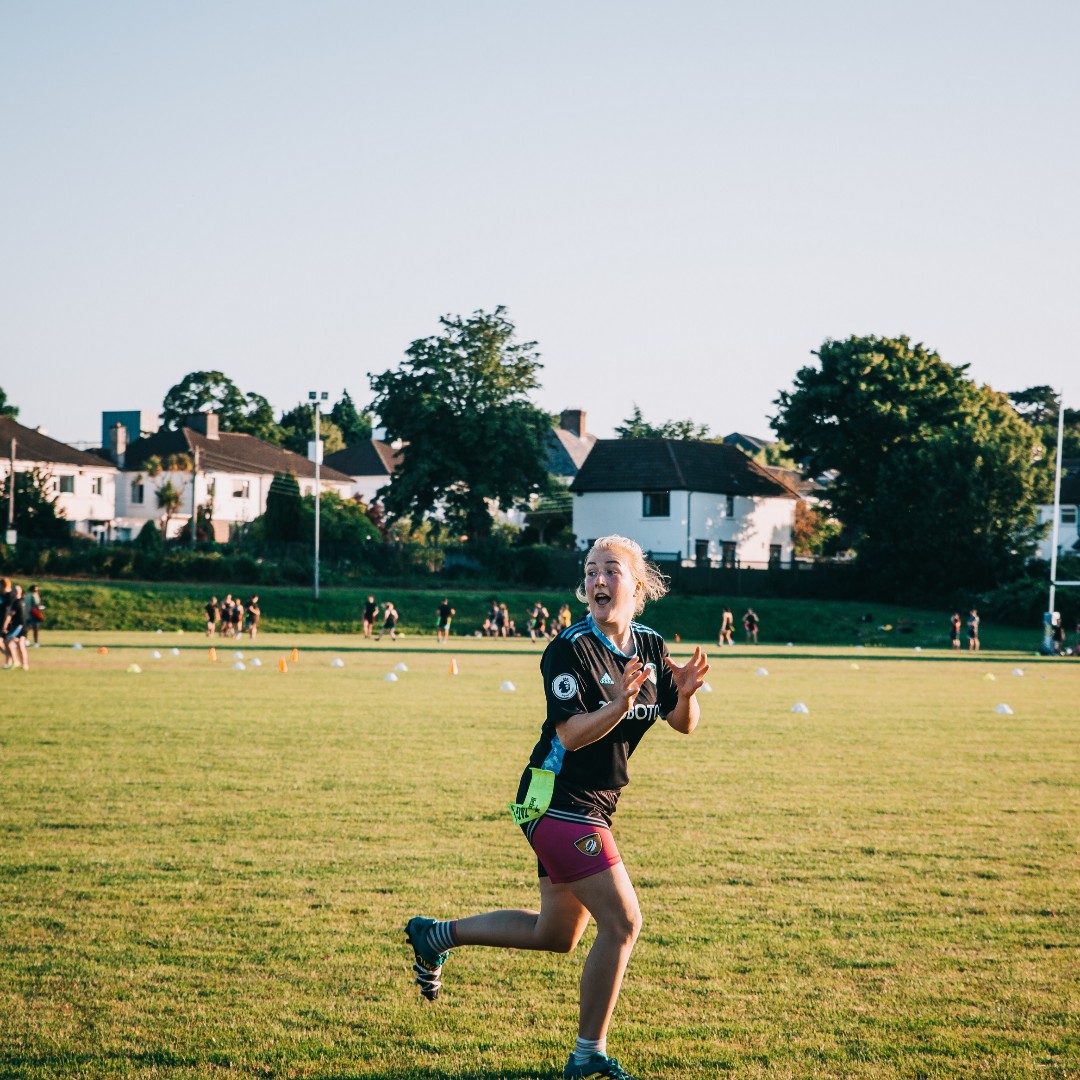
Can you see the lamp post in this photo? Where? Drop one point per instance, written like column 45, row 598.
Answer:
column 316, row 397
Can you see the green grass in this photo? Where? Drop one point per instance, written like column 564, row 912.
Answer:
column 76, row 605
column 204, row 872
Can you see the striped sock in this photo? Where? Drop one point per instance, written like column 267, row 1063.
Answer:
column 585, row 1048
column 440, row 936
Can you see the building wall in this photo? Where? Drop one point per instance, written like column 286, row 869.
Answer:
column 755, row 525
column 1067, row 530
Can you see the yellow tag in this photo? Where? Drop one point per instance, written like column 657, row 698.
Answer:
column 537, row 798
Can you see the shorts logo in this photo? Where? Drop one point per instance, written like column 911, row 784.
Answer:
column 564, row 686
column 592, row 844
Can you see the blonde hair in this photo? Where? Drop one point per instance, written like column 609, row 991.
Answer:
column 653, row 583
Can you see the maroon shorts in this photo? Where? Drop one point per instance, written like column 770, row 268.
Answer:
column 572, row 850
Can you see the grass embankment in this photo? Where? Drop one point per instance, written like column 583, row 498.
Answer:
column 206, row 871
column 74, row 605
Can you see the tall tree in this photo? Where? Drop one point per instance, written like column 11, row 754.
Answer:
column 355, row 427
column 212, row 391
column 282, row 517
column 37, row 513
column 1039, row 406
column 460, row 403
column 936, row 482
column 168, row 501
column 635, row 426
column 297, row 428
column 5, row 408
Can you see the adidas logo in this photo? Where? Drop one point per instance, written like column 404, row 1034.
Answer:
column 606, row 680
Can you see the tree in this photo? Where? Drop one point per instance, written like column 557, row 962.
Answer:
column 168, row 500
column 297, row 428
column 282, row 518
column 341, row 521
column 5, row 408
column 1039, row 406
column 936, row 484
column 37, row 515
column 636, row 426
column 149, row 538
column 355, row 427
column 211, row 391
column 459, row 401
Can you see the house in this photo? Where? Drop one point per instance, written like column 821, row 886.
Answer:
column 1069, row 510
column 568, row 445
column 232, row 474
column 84, row 483
column 748, row 444
column 370, row 465
column 699, row 502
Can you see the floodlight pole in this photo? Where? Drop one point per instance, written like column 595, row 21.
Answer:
column 1057, row 504
column 316, row 397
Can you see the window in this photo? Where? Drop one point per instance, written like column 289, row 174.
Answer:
column 727, row 553
column 138, row 492
column 241, row 489
column 97, row 486
column 65, row 485
column 656, row 504
column 774, row 553
column 1068, row 515
column 729, row 505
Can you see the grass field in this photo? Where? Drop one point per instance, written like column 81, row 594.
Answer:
column 205, row 871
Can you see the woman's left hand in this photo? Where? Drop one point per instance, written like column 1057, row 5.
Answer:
column 689, row 677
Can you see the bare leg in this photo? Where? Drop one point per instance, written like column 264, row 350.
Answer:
column 556, row 927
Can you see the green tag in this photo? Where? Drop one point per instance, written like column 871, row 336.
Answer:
column 537, row 798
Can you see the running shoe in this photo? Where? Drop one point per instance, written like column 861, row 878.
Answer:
column 595, row 1067
column 428, row 965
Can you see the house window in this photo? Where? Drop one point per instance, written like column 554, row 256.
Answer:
column 241, row 489
column 1068, row 515
column 729, row 505
column 774, row 553
column 727, row 553
column 656, row 504
column 65, row 485
column 138, row 492
column 97, row 485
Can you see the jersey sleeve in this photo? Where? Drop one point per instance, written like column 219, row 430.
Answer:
column 565, row 681
column 667, row 693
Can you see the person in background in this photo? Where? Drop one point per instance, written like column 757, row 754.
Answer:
column 35, row 613
column 254, row 613
column 538, row 618
column 973, row 631
column 954, row 630
column 750, row 625
column 727, row 627
column 371, row 609
column 15, row 631
column 442, row 623
column 213, row 616
column 390, row 618
column 562, row 620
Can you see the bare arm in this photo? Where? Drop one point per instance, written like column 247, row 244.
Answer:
column 689, row 678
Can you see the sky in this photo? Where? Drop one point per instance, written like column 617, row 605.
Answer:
column 677, row 201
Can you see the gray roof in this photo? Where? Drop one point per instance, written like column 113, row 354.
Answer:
column 676, row 465
column 229, row 452
column 370, row 458
column 31, row 445
column 567, row 452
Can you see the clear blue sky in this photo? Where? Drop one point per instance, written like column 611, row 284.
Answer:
column 678, row 201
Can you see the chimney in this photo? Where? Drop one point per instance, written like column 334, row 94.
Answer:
column 205, row 423
column 573, row 420
column 118, row 442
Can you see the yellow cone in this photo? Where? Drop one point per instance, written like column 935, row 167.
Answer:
column 295, row 655
column 453, row 667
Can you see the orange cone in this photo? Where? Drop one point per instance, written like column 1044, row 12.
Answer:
column 295, row 655
column 677, row 638
column 102, row 649
column 213, row 653
column 453, row 667
column 282, row 666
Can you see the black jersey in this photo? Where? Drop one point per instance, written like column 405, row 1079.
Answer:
column 581, row 668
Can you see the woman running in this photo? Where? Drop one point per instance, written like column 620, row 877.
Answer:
column 607, row 679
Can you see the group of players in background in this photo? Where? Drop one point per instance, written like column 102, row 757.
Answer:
column 232, row 617
column 21, row 616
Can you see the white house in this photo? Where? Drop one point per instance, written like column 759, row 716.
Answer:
column 232, row 473
column 699, row 502
column 1069, row 511
column 84, row 483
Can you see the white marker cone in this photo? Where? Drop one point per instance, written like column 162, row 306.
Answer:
column 174, row 652
column 762, row 671
column 1004, row 710
column 706, row 688
column 799, row 707
column 400, row 667
column 239, row 666
column 238, row 656
column 1018, row 671
column 134, row 669
column 391, row 677
column 337, row 662
column 255, row 662
column 508, row 686
column 155, row 655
